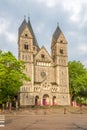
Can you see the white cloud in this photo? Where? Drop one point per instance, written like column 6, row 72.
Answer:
column 74, row 10
column 74, row 7
column 3, row 25
column 85, row 62
column 49, row 3
column 83, row 49
column 83, row 22
column 4, row 30
column 40, row 27
column 11, row 37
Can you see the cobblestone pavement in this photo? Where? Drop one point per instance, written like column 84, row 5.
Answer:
column 46, row 119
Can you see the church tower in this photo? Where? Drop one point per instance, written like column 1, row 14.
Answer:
column 60, row 58
column 27, row 47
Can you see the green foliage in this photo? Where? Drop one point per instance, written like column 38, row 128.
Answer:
column 80, row 100
column 11, row 76
column 77, row 79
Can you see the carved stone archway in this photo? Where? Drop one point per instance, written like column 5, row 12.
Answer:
column 54, row 101
column 36, row 100
column 46, row 100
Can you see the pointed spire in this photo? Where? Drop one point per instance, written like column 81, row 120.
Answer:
column 22, row 26
column 32, row 32
column 28, row 17
column 57, row 24
column 24, row 17
column 57, row 32
column 28, row 24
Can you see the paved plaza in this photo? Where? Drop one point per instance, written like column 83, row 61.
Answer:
column 46, row 119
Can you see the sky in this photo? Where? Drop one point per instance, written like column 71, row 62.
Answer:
column 45, row 15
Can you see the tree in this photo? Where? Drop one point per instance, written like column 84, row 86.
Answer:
column 77, row 79
column 11, row 76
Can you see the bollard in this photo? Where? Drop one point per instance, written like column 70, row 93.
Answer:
column 64, row 110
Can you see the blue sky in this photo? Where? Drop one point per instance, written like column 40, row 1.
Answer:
column 44, row 16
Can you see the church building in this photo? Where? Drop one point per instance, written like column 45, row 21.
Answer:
column 49, row 83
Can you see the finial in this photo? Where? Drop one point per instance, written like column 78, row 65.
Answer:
column 28, row 17
column 57, row 24
column 25, row 17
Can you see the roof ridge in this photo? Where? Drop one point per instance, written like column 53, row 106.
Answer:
column 32, row 32
column 22, row 25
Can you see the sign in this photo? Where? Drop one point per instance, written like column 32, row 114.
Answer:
column 2, row 120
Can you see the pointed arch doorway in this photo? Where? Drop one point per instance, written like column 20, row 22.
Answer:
column 36, row 100
column 54, row 100
column 45, row 100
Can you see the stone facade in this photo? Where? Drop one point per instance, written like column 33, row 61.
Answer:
column 49, row 83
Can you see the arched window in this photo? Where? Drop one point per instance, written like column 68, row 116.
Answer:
column 36, row 100
column 25, row 46
column 54, row 100
column 42, row 56
column 61, row 50
column 26, row 35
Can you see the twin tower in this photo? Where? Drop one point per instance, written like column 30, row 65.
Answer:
column 49, row 84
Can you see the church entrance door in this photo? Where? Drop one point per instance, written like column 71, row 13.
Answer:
column 36, row 100
column 45, row 100
column 54, row 100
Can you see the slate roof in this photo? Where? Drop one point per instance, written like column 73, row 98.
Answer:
column 57, row 33
column 28, row 24
column 21, row 28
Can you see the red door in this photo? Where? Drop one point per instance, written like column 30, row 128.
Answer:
column 36, row 102
column 44, row 102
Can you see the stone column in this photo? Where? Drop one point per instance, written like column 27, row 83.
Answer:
column 41, row 101
column 51, row 102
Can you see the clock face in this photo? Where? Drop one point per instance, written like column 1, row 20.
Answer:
column 43, row 74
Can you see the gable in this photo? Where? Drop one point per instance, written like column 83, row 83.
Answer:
column 26, row 31
column 61, row 39
column 43, row 56
column 58, row 37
